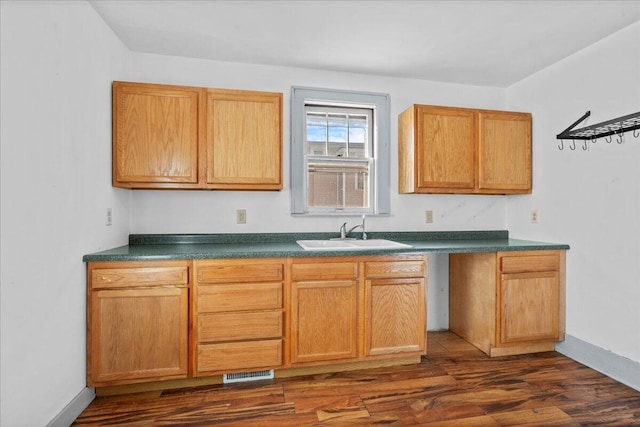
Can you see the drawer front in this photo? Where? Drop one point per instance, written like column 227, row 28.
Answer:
column 237, row 356
column 324, row 271
column 220, row 272
column 239, row 297
column 515, row 264
column 220, row 327
column 142, row 276
column 382, row 269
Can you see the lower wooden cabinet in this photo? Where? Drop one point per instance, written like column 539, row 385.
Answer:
column 360, row 309
column 508, row 302
column 395, row 307
column 165, row 320
column 238, row 314
column 137, row 322
column 324, row 311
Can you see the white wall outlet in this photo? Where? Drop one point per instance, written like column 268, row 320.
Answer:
column 428, row 217
column 535, row 216
column 108, row 218
column 241, row 216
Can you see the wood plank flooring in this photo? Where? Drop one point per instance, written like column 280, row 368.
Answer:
column 455, row 385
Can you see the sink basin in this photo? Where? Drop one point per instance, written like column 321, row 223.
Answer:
column 310, row 245
column 349, row 245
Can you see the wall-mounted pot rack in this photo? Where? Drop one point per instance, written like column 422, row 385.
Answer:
column 617, row 127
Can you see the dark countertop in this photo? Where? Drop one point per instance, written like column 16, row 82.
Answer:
column 150, row 247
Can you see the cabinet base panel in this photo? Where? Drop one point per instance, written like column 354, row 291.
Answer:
column 349, row 366
column 159, row 386
column 512, row 350
column 522, row 349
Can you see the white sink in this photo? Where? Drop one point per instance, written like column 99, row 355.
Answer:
column 349, row 245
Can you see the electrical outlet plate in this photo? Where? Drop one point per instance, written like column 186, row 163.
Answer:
column 535, row 217
column 428, row 217
column 108, row 219
column 241, row 216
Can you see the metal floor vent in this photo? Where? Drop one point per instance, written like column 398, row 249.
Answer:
column 247, row 376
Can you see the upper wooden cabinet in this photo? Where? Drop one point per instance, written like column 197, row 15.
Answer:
column 462, row 150
column 156, row 136
column 504, row 152
column 178, row 137
column 244, row 140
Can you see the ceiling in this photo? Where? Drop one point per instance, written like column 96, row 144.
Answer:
column 487, row 43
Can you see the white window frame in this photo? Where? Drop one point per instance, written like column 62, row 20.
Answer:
column 379, row 104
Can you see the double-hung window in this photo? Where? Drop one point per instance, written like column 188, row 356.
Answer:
column 340, row 152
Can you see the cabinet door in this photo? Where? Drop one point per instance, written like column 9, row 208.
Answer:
column 445, row 149
column 528, row 307
column 395, row 316
column 504, row 154
column 244, row 140
column 155, row 135
column 324, row 320
column 137, row 334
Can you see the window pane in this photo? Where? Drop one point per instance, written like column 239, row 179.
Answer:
column 324, row 190
column 316, row 133
column 357, row 128
column 317, row 148
column 316, row 119
column 338, row 128
column 337, row 135
column 357, row 135
column 338, row 190
column 338, row 185
column 337, row 149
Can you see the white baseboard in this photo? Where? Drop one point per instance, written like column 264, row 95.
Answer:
column 619, row 368
column 68, row 415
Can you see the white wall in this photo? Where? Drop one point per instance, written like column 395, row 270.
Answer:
column 589, row 199
column 58, row 60
column 214, row 211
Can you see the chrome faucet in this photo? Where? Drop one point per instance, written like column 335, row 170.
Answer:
column 344, row 234
column 364, row 233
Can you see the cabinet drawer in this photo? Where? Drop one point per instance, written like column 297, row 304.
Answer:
column 239, row 297
column 382, row 269
column 218, row 327
column 236, row 356
column 142, row 276
column 514, row 264
column 221, row 272
column 324, row 271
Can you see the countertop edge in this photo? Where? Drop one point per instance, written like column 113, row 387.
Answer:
column 289, row 249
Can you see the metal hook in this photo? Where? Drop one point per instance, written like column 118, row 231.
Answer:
column 620, row 137
column 634, row 133
column 561, row 146
column 585, row 147
column 573, row 146
column 608, row 139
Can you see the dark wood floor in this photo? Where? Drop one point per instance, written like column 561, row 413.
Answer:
column 455, row 385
